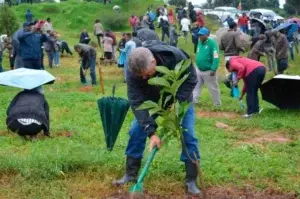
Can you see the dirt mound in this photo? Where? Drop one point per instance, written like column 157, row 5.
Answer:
column 210, row 114
column 217, row 193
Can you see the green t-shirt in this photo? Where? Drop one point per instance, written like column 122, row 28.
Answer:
column 207, row 57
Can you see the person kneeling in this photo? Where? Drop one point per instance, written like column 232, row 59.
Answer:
column 253, row 74
column 28, row 114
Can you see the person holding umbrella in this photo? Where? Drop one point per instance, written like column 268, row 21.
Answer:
column 142, row 63
column 253, row 73
column 88, row 56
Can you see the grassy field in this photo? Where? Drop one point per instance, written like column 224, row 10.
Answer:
column 257, row 157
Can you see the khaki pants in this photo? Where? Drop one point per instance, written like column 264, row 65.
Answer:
column 212, row 85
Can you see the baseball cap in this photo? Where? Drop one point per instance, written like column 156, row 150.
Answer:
column 203, row 31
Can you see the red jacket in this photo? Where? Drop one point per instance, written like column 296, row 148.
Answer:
column 243, row 20
column 243, row 66
column 200, row 20
column 133, row 21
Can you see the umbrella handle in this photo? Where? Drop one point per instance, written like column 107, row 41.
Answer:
column 114, row 90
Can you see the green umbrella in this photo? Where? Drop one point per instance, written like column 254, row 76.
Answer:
column 113, row 111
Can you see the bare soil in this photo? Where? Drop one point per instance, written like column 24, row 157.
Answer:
column 215, row 193
column 268, row 138
column 86, row 89
column 210, row 114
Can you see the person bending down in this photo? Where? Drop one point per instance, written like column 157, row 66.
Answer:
column 253, row 74
column 28, row 114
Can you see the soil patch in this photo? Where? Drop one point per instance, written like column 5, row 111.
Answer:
column 269, row 138
column 86, row 89
column 64, row 134
column 210, row 114
column 216, row 193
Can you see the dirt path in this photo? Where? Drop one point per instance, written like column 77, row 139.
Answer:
column 211, row 114
column 215, row 193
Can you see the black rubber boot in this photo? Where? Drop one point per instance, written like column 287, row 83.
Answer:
column 132, row 169
column 191, row 179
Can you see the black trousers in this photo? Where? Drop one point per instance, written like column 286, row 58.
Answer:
column 163, row 33
column 33, row 64
column 253, row 82
column 23, row 130
column 65, row 47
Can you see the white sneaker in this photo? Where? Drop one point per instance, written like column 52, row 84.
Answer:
column 247, row 116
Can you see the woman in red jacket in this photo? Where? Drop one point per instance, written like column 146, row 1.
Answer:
column 171, row 16
column 253, row 74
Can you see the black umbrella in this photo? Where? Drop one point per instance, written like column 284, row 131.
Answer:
column 282, row 91
column 146, row 34
column 261, row 24
column 113, row 111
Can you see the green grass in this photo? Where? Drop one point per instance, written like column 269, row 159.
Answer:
column 80, row 167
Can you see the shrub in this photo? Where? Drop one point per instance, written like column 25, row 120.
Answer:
column 8, row 20
column 115, row 21
column 50, row 9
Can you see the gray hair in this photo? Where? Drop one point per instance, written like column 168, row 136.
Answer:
column 140, row 59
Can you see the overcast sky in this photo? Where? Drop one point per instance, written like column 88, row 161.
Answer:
column 204, row 1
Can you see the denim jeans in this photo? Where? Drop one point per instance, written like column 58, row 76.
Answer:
column 55, row 55
column 137, row 140
column 92, row 72
column 1, row 68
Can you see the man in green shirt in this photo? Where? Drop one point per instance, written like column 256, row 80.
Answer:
column 207, row 61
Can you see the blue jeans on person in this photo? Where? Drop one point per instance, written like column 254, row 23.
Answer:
column 1, row 68
column 253, row 83
column 55, row 55
column 137, row 140
column 244, row 28
column 125, row 68
column 32, row 64
column 92, row 72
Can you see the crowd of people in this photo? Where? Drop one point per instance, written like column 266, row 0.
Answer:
column 140, row 51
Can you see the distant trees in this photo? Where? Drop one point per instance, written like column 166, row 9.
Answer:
column 292, row 7
column 178, row 2
column 8, row 20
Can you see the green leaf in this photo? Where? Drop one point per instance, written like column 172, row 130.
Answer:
column 183, row 69
column 154, row 111
column 177, row 109
column 169, row 124
column 147, row 105
column 164, row 70
column 159, row 81
column 178, row 66
column 177, row 84
column 184, row 107
column 167, row 90
column 168, row 98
